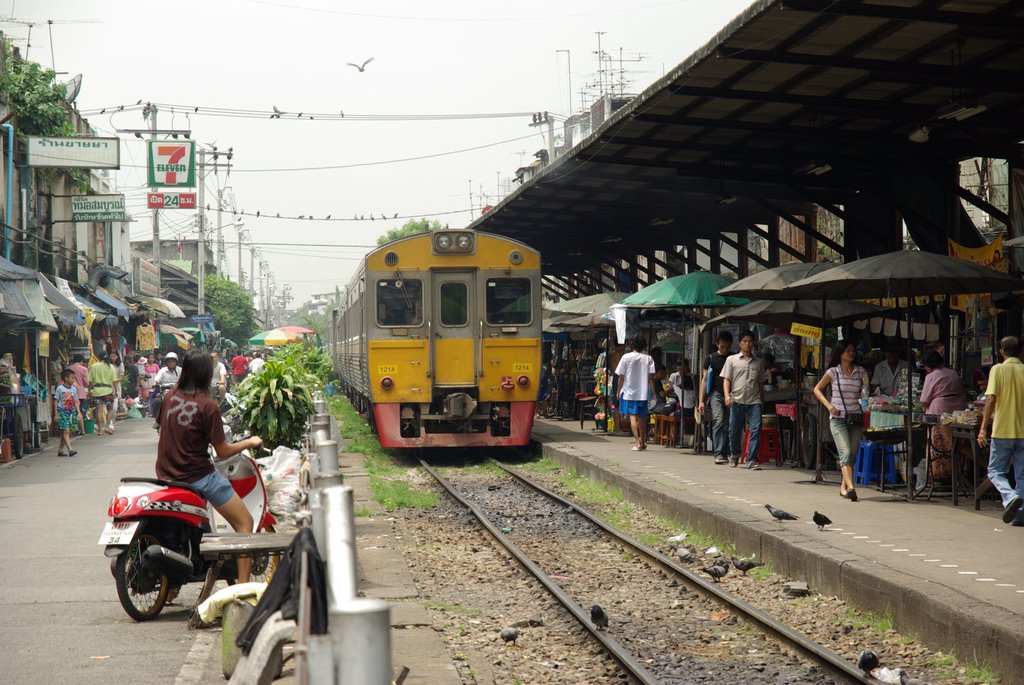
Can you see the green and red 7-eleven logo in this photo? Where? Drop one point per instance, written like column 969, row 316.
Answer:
column 172, row 163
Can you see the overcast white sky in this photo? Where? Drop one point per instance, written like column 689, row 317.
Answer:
column 439, row 57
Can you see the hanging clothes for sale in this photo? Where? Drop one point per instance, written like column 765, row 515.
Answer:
column 145, row 337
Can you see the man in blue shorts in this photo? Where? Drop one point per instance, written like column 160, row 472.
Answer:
column 636, row 387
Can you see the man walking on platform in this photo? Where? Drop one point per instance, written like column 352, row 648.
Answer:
column 1004, row 404
column 744, row 395
column 712, row 393
column 636, row 384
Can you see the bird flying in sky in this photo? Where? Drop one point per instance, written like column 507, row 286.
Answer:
column 360, row 67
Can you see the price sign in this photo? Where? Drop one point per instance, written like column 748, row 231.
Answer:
column 805, row 331
column 171, row 200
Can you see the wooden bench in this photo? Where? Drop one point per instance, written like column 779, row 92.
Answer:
column 218, row 549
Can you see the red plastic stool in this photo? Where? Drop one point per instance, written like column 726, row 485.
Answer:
column 770, row 448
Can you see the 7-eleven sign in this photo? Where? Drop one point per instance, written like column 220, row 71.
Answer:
column 172, row 163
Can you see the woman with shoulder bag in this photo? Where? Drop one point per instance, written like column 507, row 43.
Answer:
column 846, row 420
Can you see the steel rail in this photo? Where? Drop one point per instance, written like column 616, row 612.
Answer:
column 617, row 651
column 819, row 653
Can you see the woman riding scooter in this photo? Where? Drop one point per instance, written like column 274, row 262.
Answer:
column 191, row 422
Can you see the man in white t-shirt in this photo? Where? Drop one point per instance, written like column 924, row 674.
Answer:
column 636, row 386
column 257, row 363
column 682, row 383
column 219, row 382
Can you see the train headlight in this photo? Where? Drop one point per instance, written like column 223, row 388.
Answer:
column 387, row 383
column 523, row 381
column 464, row 241
column 444, row 242
column 450, row 241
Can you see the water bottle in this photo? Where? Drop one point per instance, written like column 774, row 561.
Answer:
column 863, row 398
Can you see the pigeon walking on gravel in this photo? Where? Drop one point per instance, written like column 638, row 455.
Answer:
column 867, row 661
column 745, row 564
column 685, row 555
column 598, row 617
column 821, row 520
column 779, row 514
column 509, row 635
column 716, row 572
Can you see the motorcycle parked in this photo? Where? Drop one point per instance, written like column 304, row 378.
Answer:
column 156, row 528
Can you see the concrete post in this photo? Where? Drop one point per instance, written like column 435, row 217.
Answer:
column 339, row 508
column 361, row 629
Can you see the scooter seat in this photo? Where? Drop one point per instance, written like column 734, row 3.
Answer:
column 166, row 483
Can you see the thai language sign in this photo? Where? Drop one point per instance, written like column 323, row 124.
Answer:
column 171, row 200
column 98, row 208
column 172, row 163
column 805, row 331
column 78, row 153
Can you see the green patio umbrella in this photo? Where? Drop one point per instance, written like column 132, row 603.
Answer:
column 600, row 302
column 259, row 338
column 696, row 289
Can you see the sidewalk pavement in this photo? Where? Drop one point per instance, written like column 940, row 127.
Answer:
column 953, row 576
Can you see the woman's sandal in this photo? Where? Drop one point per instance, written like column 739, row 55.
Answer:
column 852, row 494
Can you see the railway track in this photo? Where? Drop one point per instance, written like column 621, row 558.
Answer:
column 687, row 629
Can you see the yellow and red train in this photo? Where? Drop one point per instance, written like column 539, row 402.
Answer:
column 438, row 339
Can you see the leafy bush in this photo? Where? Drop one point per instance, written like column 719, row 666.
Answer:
column 276, row 403
column 310, row 359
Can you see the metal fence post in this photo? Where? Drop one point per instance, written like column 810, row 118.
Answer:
column 338, row 503
column 327, row 456
column 361, row 629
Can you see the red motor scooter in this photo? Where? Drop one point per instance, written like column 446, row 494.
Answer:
column 155, row 530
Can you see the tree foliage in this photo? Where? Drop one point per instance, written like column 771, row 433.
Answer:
column 36, row 98
column 231, row 307
column 410, row 227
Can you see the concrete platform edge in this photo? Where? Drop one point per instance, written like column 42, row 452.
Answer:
column 941, row 617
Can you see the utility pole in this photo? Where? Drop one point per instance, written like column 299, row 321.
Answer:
column 221, row 257
column 201, row 169
column 568, row 56
column 156, row 212
column 600, row 63
column 239, row 227
column 252, row 260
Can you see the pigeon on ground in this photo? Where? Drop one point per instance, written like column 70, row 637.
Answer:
column 716, row 572
column 598, row 617
column 509, row 635
column 867, row 661
column 821, row 520
column 779, row 514
column 360, row 67
column 685, row 555
column 745, row 564
column 905, row 679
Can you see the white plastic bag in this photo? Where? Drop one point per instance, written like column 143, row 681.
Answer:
column 281, row 475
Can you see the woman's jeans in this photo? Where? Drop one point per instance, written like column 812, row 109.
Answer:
column 847, row 439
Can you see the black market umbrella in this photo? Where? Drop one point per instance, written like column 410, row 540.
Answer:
column 782, row 313
column 757, row 286
column 906, row 274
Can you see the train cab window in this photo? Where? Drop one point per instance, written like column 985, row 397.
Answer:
column 399, row 302
column 454, row 304
column 508, row 301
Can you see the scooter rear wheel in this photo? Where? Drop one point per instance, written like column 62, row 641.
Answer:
column 142, row 593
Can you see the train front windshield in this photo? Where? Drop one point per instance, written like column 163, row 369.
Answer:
column 399, row 302
column 508, row 301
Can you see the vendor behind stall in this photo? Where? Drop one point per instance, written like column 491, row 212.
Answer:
column 886, row 377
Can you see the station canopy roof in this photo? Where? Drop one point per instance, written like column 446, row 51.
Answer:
column 794, row 102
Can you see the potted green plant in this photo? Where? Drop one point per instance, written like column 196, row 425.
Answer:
column 276, row 403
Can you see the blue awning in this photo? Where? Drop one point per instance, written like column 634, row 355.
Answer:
column 115, row 304
column 92, row 304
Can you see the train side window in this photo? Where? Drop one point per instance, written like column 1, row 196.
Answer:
column 508, row 301
column 454, row 304
column 399, row 302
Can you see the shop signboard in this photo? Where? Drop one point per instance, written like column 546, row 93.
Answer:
column 201, row 318
column 73, row 153
column 805, row 331
column 171, row 200
column 172, row 163
column 98, row 208
column 145, row 277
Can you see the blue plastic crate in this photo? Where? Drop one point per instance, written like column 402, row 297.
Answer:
column 9, row 400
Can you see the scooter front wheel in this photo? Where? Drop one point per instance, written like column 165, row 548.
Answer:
column 142, row 593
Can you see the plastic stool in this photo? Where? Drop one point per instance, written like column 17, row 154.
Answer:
column 770, row 448
column 864, row 470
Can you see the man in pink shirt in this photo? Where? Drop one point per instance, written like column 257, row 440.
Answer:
column 81, row 383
